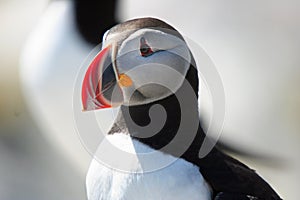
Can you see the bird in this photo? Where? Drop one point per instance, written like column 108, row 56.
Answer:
column 64, row 36
column 146, row 68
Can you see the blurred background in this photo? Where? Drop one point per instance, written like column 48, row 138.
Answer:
column 255, row 46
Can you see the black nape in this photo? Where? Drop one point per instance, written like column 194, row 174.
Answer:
column 93, row 18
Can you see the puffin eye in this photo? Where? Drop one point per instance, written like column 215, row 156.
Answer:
column 145, row 49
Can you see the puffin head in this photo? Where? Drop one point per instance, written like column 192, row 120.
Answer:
column 142, row 61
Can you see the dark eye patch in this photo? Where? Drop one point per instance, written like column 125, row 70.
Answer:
column 145, row 49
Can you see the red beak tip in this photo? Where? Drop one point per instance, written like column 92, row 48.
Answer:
column 91, row 86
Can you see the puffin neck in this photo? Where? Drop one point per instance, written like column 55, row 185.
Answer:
column 134, row 120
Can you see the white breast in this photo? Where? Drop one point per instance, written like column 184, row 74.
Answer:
column 179, row 180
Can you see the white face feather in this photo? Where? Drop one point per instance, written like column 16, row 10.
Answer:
column 157, row 75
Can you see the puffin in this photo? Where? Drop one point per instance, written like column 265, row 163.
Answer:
column 146, row 68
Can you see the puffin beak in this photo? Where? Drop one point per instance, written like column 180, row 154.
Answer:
column 100, row 88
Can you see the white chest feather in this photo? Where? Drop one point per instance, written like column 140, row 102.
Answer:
column 179, row 180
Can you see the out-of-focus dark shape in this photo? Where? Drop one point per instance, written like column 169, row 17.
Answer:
column 93, row 18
